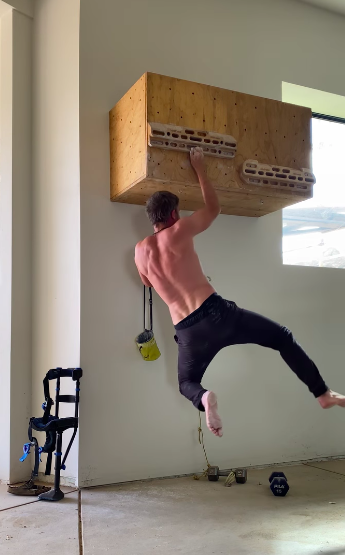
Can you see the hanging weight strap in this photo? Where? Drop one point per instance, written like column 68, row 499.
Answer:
column 150, row 309
column 48, row 400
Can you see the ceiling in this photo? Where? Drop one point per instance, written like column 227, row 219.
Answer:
column 337, row 6
column 4, row 8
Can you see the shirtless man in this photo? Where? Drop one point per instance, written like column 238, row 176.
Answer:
column 205, row 323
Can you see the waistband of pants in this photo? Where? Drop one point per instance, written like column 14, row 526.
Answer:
column 198, row 314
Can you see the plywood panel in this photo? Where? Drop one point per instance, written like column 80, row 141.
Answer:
column 235, row 203
column 128, row 139
column 266, row 130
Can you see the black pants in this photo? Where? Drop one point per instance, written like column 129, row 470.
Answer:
column 219, row 323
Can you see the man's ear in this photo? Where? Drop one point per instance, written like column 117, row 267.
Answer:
column 174, row 215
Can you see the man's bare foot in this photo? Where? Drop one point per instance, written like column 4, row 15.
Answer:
column 213, row 421
column 330, row 399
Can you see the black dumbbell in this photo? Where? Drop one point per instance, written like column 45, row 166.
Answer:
column 241, row 475
column 278, row 484
column 213, row 474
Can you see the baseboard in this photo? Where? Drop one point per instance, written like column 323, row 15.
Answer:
column 253, row 467
column 64, row 480
column 302, row 461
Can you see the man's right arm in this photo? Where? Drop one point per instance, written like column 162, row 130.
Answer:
column 143, row 278
column 203, row 218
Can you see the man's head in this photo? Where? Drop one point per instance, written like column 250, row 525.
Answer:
column 162, row 209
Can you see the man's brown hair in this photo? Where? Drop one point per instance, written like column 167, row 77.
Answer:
column 160, row 206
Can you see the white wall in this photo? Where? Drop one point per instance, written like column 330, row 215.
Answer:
column 21, row 325
column 134, row 423
column 15, row 243
column 319, row 101
column 56, row 209
column 4, row 8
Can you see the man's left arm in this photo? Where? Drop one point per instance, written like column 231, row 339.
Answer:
column 144, row 279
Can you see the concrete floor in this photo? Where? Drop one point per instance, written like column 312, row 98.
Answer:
column 189, row 517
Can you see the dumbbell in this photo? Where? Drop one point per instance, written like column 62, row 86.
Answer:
column 213, row 474
column 278, row 484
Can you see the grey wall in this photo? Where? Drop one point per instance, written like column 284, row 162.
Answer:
column 5, row 240
column 23, row 6
column 56, row 200
column 134, row 423
column 21, row 242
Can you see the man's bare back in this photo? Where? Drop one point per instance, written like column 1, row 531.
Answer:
column 170, row 264
column 167, row 260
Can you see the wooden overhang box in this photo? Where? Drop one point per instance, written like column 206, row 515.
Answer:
column 257, row 151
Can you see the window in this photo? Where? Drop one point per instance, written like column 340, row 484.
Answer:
column 314, row 230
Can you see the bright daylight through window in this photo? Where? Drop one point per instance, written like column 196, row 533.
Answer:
column 314, row 230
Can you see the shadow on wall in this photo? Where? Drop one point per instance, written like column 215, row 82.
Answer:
column 141, row 228
column 331, row 552
column 162, row 325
